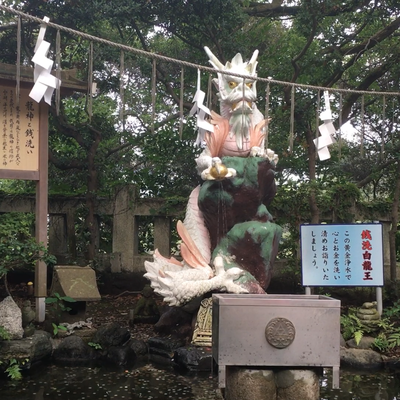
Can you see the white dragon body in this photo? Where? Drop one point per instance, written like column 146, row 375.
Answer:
column 179, row 282
column 238, row 131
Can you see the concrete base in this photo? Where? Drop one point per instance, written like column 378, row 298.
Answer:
column 262, row 384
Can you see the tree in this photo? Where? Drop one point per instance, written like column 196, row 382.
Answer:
column 18, row 248
column 336, row 44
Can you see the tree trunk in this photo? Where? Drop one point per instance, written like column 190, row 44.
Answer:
column 312, row 172
column 92, row 187
column 393, row 230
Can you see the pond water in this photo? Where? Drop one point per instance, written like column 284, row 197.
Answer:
column 356, row 385
column 79, row 383
column 152, row 383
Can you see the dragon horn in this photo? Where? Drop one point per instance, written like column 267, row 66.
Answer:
column 213, row 60
column 254, row 57
column 251, row 66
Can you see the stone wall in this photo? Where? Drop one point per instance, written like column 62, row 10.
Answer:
column 126, row 209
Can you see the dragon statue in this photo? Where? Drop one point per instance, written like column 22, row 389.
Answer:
column 229, row 240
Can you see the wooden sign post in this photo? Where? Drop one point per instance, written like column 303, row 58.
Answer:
column 24, row 131
column 24, row 155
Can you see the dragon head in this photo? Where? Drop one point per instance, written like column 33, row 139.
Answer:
column 236, row 94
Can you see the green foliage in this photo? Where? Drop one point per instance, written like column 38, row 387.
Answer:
column 392, row 312
column 358, row 335
column 4, row 334
column 57, row 328
column 17, row 245
column 387, row 335
column 381, row 342
column 336, row 201
column 13, row 370
column 145, row 235
column 96, row 346
column 394, row 339
column 385, row 342
column 59, row 300
column 351, row 326
column 58, row 305
column 167, row 165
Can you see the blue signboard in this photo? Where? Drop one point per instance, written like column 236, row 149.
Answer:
column 342, row 255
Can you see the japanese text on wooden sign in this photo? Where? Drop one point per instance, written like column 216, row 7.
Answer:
column 342, row 255
column 19, row 124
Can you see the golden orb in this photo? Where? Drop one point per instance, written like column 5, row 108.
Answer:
column 218, row 171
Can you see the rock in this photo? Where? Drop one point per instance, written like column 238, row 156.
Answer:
column 162, row 349
column 175, row 321
column 146, row 310
column 366, row 342
column 166, row 344
column 361, row 359
column 111, row 335
column 29, row 330
column 121, row 356
column 250, row 384
column 194, row 358
column 42, row 347
column 34, row 349
column 139, row 347
column 73, row 351
column 11, row 318
column 28, row 315
column 71, row 328
column 297, row 384
column 86, row 334
column 391, row 362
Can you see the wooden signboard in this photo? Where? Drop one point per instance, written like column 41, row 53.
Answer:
column 23, row 133
column 19, row 125
column 24, row 155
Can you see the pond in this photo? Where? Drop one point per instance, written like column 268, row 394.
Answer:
column 356, row 385
column 81, row 383
column 151, row 382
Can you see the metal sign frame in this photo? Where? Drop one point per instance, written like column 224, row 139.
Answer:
column 348, row 255
column 342, row 255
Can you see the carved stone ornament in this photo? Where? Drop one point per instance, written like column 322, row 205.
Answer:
column 202, row 335
column 280, row 332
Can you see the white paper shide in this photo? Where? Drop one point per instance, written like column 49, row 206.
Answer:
column 45, row 82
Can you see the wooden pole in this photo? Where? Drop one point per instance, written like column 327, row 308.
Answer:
column 41, row 212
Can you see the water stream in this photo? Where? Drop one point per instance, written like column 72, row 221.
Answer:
column 153, row 383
